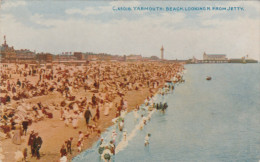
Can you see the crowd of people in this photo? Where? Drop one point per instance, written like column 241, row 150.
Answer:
column 106, row 82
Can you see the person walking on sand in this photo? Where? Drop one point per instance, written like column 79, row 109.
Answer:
column 63, row 151
column 94, row 99
column 17, row 137
column 75, row 120
column 30, row 142
column 79, row 145
column 81, row 137
column 25, row 154
column 25, row 124
column 37, row 145
column 87, row 115
column 97, row 115
column 64, row 159
column 68, row 145
column 106, row 112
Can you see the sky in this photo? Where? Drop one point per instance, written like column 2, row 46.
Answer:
column 58, row 26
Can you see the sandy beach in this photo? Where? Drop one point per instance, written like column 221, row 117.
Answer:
column 54, row 133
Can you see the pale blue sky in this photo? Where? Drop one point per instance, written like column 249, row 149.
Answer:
column 88, row 26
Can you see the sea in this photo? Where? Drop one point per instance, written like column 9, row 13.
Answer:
column 215, row 120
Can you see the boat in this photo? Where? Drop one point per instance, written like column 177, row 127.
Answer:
column 208, row 78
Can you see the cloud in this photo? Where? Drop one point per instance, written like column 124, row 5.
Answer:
column 6, row 5
column 143, row 35
column 125, row 3
column 39, row 19
column 252, row 6
column 88, row 11
column 97, row 10
column 209, row 14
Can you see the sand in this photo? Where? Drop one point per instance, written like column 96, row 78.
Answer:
column 54, row 133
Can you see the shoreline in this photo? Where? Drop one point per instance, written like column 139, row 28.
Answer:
column 130, row 109
column 54, row 133
column 141, row 103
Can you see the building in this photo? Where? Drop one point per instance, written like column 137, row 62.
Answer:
column 44, row 58
column 154, row 58
column 104, row 57
column 92, row 57
column 118, row 58
column 245, row 59
column 79, row 55
column 250, row 60
column 25, row 56
column 65, row 57
column 7, row 53
column 71, row 62
column 134, row 58
column 162, row 52
column 214, row 58
column 194, row 60
column 10, row 55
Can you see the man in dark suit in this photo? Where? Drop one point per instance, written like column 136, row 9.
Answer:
column 37, row 143
column 63, row 151
column 18, row 82
column 30, row 142
column 94, row 102
column 25, row 124
column 87, row 115
column 69, row 145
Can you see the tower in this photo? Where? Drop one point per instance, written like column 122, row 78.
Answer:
column 4, row 40
column 162, row 50
column 205, row 56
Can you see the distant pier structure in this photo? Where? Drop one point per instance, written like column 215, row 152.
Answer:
column 162, row 52
column 220, row 58
column 214, row 58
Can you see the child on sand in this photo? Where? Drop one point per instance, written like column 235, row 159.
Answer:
column 81, row 136
column 79, row 145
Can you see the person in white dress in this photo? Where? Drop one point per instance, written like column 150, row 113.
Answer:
column 125, row 105
column 75, row 107
column 64, row 159
column 66, row 117
column 66, row 121
column 155, row 85
column 107, row 105
column 81, row 136
column 75, row 120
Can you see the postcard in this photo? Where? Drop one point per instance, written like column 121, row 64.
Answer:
column 123, row 81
